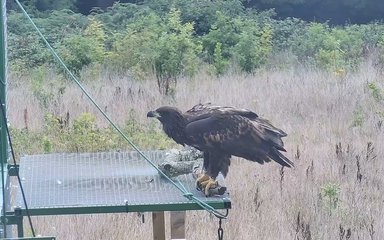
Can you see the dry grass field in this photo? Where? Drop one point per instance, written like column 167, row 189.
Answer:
column 335, row 137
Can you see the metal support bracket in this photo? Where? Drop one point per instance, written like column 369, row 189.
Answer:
column 14, row 218
column 13, row 170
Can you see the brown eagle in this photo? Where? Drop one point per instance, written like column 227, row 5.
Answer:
column 220, row 132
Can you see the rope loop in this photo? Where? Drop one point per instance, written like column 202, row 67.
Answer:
column 188, row 195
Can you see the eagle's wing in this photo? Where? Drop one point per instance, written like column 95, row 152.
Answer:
column 201, row 111
column 235, row 134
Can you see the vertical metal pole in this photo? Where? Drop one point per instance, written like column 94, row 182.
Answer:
column 19, row 222
column 3, row 133
column 3, row 81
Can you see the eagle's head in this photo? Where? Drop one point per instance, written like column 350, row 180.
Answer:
column 166, row 114
column 173, row 122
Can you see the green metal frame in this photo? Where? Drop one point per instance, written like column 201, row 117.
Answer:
column 16, row 217
column 3, row 83
column 4, row 196
column 222, row 204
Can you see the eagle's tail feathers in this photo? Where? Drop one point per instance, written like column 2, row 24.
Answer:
column 280, row 158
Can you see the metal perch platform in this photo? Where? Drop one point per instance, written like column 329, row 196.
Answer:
column 104, row 182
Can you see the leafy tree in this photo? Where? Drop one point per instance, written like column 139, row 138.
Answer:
column 331, row 48
column 177, row 52
column 164, row 47
column 254, row 46
column 43, row 5
column 219, row 62
column 117, row 17
column 79, row 51
column 26, row 49
column 241, row 39
column 286, row 32
column 224, row 31
column 134, row 49
column 201, row 12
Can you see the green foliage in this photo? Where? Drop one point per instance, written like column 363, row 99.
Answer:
column 26, row 142
column 358, row 117
column 241, row 39
column 219, row 62
column 330, row 193
column 377, row 93
column 139, row 36
column 164, row 47
column 201, row 12
column 168, row 39
column 26, row 49
column 85, row 136
column 39, row 87
column 146, row 136
column 287, row 32
column 47, row 145
column 48, row 90
column 254, row 46
column 330, row 48
column 44, row 5
column 177, row 52
column 224, row 31
column 117, row 17
column 380, row 45
column 79, row 51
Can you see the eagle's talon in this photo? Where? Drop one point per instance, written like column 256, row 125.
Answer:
column 201, row 179
column 208, row 185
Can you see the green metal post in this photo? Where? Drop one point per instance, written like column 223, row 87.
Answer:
column 3, row 133
column 3, row 81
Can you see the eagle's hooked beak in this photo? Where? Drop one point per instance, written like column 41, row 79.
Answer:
column 153, row 114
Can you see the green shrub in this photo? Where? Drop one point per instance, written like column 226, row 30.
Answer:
column 85, row 136
column 26, row 49
column 358, row 117
column 330, row 48
column 287, row 32
column 224, row 31
column 201, row 12
column 254, row 46
column 219, row 63
column 40, row 88
column 79, row 51
column 377, row 93
column 330, row 194
column 241, row 39
column 164, row 47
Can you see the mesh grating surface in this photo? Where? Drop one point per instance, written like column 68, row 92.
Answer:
column 100, row 179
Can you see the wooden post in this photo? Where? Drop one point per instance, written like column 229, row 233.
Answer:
column 178, row 225
column 158, row 225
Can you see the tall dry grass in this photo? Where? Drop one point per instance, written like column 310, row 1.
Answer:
column 334, row 137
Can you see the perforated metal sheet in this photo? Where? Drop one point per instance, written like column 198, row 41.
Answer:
column 115, row 181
